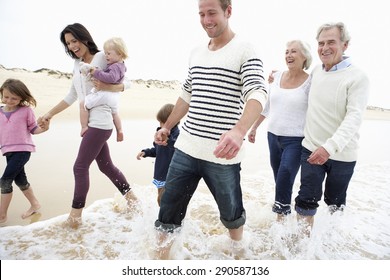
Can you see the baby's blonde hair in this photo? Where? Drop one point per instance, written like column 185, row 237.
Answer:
column 118, row 45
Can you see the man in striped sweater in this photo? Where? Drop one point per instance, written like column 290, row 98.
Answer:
column 221, row 98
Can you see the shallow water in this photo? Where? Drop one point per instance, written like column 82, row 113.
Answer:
column 109, row 232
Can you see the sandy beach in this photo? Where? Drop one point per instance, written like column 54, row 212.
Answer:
column 108, row 233
column 50, row 168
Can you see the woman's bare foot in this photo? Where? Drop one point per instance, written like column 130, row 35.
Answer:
column 72, row 222
column 133, row 206
column 33, row 209
column 74, row 219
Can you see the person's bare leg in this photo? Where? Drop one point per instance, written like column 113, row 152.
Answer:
column 307, row 223
column 280, row 218
column 236, row 233
column 164, row 246
column 5, row 202
column 74, row 218
column 35, row 206
column 237, row 245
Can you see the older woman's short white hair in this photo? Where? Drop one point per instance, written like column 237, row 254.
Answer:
column 305, row 49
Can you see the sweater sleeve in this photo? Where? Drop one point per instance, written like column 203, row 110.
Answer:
column 150, row 152
column 253, row 81
column 187, row 88
column 72, row 96
column 112, row 74
column 31, row 121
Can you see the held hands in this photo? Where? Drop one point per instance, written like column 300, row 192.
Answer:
column 46, row 117
column 43, row 125
column 44, row 121
column 161, row 136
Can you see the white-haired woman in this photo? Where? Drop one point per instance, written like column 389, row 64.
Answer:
column 286, row 112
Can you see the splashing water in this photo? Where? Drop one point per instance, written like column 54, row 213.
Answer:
column 110, row 232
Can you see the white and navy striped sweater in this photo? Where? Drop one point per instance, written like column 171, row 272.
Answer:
column 218, row 85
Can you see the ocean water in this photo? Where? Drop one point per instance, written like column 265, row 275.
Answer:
column 109, row 232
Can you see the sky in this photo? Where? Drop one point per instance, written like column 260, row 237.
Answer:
column 161, row 33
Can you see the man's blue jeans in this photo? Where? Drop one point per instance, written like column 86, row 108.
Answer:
column 183, row 177
column 338, row 175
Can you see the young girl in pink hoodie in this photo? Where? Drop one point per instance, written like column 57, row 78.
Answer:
column 17, row 124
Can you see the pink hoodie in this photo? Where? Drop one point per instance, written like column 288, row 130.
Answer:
column 15, row 130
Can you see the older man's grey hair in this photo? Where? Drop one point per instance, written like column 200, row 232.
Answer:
column 344, row 35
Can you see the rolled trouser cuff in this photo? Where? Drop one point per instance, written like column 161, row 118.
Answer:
column 165, row 227
column 236, row 223
column 6, row 186
column 305, row 212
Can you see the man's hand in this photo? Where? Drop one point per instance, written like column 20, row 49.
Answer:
column 161, row 136
column 319, row 156
column 229, row 144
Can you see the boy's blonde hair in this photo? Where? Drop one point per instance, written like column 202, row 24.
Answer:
column 118, row 45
